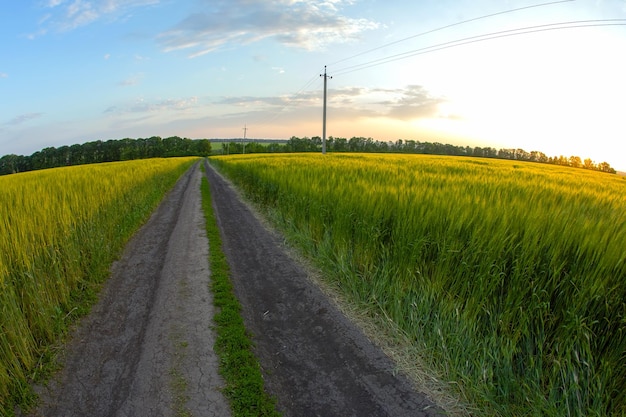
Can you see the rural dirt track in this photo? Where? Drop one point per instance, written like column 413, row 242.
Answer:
column 152, row 327
column 315, row 361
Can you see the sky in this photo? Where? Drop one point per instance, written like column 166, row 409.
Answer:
column 498, row 73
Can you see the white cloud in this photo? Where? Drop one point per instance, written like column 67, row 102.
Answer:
column 305, row 24
column 107, row 56
column 4, row 75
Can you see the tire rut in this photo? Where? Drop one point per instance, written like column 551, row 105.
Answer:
column 315, row 361
column 146, row 347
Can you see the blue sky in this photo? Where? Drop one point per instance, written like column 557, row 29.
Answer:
column 73, row 71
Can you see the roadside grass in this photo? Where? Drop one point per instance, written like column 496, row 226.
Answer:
column 508, row 277
column 238, row 364
column 60, row 230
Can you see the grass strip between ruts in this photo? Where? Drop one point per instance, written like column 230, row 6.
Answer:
column 238, row 365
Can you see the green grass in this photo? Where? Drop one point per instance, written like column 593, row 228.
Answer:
column 510, row 278
column 238, row 364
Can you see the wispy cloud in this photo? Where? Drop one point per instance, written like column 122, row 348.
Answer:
column 53, row 3
column 306, row 99
column 4, row 75
column 23, row 118
column 414, row 102
column 306, row 24
column 65, row 15
column 155, row 106
column 348, row 104
column 132, row 80
column 408, row 103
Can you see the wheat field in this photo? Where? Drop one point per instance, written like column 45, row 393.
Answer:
column 509, row 277
column 60, row 229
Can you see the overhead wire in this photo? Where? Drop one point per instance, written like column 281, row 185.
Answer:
column 449, row 26
column 480, row 38
column 292, row 98
column 445, row 45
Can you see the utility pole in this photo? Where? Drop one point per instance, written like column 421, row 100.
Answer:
column 324, row 118
column 245, row 130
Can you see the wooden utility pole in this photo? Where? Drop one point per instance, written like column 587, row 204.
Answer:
column 324, row 118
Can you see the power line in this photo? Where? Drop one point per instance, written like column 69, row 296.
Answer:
column 480, row 38
column 326, row 77
column 446, row 45
column 276, row 113
column 449, row 26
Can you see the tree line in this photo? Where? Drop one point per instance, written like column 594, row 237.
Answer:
column 361, row 144
column 154, row 147
column 105, row 151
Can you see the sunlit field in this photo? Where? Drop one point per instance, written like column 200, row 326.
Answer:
column 509, row 277
column 60, row 229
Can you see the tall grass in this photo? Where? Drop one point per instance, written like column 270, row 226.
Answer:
column 60, row 229
column 510, row 278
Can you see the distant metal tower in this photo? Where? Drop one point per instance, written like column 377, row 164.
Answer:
column 245, row 130
column 324, row 119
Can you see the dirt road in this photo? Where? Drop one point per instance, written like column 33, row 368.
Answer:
column 146, row 348
column 315, row 361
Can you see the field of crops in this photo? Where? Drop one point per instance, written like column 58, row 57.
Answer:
column 509, row 277
column 60, row 229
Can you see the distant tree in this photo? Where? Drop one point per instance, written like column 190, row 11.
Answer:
column 536, row 156
column 575, row 162
column 521, row 155
column 9, row 164
column 383, row 147
column 506, row 154
column 478, row 151
column 305, row 144
column 172, row 146
column 605, row 167
column 411, row 146
column 356, row 144
column 155, row 147
column 203, row 147
column 341, row 144
column 490, row 152
column 562, row 160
